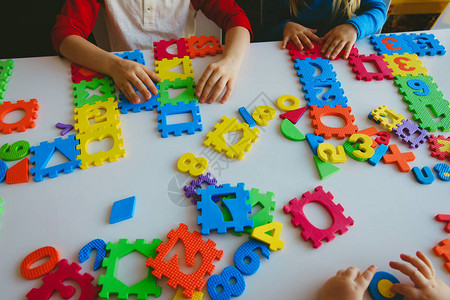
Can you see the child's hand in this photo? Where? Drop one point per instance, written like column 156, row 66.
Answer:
column 348, row 284
column 128, row 73
column 301, row 36
column 421, row 272
column 341, row 37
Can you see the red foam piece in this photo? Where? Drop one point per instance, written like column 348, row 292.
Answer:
column 357, row 62
column 439, row 146
column 401, row 159
column 444, row 218
column 160, row 49
column 314, row 52
column 36, row 256
column 30, row 109
column 201, row 46
column 19, row 173
column 80, row 73
column 316, row 113
column 294, row 115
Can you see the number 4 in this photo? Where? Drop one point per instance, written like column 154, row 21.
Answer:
column 273, row 240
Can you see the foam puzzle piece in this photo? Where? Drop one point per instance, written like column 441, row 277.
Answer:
column 295, row 103
column 203, row 45
column 188, row 162
column 350, row 148
column 307, row 68
column 65, row 128
column 316, row 113
column 246, row 260
column 332, row 97
column 310, row 232
column 444, row 218
column 112, row 285
column 424, row 175
column 80, row 73
column 291, row 132
column 160, row 49
column 442, row 171
column 380, row 286
column 100, row 246
column 211, row 217
column 197, row 295
column 383, row 138
column 273, row 240
column 443, row 249
column 400, row 159
column 187, row 96
column 424, row 44
column 416, row 88
column 125, row 105
column 314, row 53
column 18, row 173
column 191, row 190
column 27, row 120
column 247, row 116
column 3, row 169
column 358, row 67
column 163, row 68
column 266, row 204
column 228, row 275
column 15, row 151
column 439, row 146
column 178, row 128
column 388, row 118
column 82, row 96
column 263, row 114
column 122, row 210
column 193, row 245
column 45, row 151
column 98, row 158
column 216, row 137
column 135, row 55
column 411, row 134
column 294, row 115
column 431, row 114
column 34, row 257
column 390, row 44
column 314, row 141
column 376, row 157
column 405, row 64
column 55, row 282
column 5, row 69
column 370, row 131
column 327, row 152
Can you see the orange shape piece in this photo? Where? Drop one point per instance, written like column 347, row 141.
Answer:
column 371, row 131
column 444, row 218
column 328, row 132
column 401, row 159
column 201, row 46
column 193, row 245
column 30, row 109
column 443, row 249
column 34, row 257
column 19, row 173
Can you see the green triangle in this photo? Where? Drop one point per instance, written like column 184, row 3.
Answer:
column 325, row 168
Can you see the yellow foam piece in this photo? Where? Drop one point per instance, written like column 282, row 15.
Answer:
column 273, row 240
column 188, row 162
column 104, row 113
column 163, row 67
column 365, row 147
column 179, row 295
column 295, row 103
column 98, row 158
column 263, row 114
column 327, row 152
column 216, row 137
column 384, row 287
column 405, row 64
column 383, row 114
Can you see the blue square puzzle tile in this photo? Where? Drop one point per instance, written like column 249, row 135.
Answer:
column 122, row 210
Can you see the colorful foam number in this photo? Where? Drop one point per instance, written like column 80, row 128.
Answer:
column 188, row 162
column 273, row 240
column 263, row 114
column 99, row 115
column 358, row 65
column 178, row 129
column 432, row 114
column 84, row 91
column 27, row 120
column 390, row 44
column 399, row 158
column 316, row 113
column 100, row 246
column 328, row 152
column 383, row 138
column 416, row 88
column 424, row 44
column 193, row 245
column 232, row 283
column 34, row 257
column 405, row 64
column 15, row 151
column 378, row 155
column 246, row 259
column 314, row 141
column 424, row 175
column 388, row 118
column 247, row 117
column 308, row 68
column 291, row 132
column 442, row 171
column 202, row 45
column 163, row 68
column 380, row 286
column 365, row 150
column 444, row 218
column 333, row 95
column 294, row 103
column 371, row 131
column 65, row 128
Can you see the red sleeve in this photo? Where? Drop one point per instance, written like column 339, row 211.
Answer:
column 225, row 13
column 77, row 17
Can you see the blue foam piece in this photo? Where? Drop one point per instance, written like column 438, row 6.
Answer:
column 373, row 286
column 424, row 44
column 424, row 176
column 442, row 171
column 125, row 106
column 246, row 251
column 399, row 44
column 211, row 217
column 376, row 157
column 44, row 152
column 306, row 70
column 247, row 117
column 85, row 252
column 122, row 210
column 3, row 168
column 334, row 96
column 135, row 55
column 314, row 141
column 228, row 290
column 178, row 129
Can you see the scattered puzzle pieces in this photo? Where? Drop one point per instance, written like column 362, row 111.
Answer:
column 15, row 151
column 316, row 113
column 191, row 190
column 29, row 108
column 380, row 286
column 388, row 118
column 100, row 247
column 5, row 71
column 400, row 159
column 291, row 132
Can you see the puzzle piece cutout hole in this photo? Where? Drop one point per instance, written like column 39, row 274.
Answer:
column 179, row 118
column 14, row 116
column 180, row 249
column 177, row 69
column 94, row 92
column 232, row 138
column 106, row 144
column 204, row 45
column 432, row 112
column 323, row 90
column 411, row 136
column 57, row 158
column 333, row 121
column 102, row 112
column 173, row 93
column 372, row 67
column 172, row 49
column 255, row 209
column 317, row 69
column 317, row 215
column 131, row 268
column 40, row 262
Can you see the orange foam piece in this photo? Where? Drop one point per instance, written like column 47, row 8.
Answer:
column 401, row 159
column 19, row 173
column 34, row 257
column 444, row 218
column 201, row 46
column 328, row 132
column 29, row 108
column 443, row 249
column 371, row 131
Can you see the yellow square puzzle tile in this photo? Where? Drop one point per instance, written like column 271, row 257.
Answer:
column 104, row 114
column 388, row 118
column 405, row 64
column 163, row 68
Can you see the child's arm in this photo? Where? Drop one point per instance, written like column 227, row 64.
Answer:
column 349, row 284
column 126, row 73
column 222, row 74
column 421, row 272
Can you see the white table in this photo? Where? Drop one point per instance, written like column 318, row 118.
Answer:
column 392, row 212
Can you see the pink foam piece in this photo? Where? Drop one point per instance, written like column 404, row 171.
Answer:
column 294, row 115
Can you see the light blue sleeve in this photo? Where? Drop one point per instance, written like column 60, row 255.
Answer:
column 369, row 18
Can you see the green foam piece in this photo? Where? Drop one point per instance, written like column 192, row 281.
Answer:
column 325, row 169
column 5, row 69
column 111, row 285
column 349, row 148
column 16, row 151
column 1, row 208
column 291, row 132
column 185, row 97
column 82, row 96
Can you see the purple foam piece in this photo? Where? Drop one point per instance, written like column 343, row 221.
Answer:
column 66, row 127
column 407, row 130
column 191, row 190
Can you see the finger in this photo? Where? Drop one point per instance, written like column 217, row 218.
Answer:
column 331, row 48
column 347, row 50
column 340, row 272
column 145, row 79
column 139, row 85
column 297, row 43
column 366, row 277
column 284, row 42
column 406, row 290
column 427, row 262
column 326, row 45
column 230, row 88
column 419, row 264
column 352, row 272
column 209, row 86
column 414, row 274
column 337, row 50
column 312, row 36
column 218, row 88
column 128, row 90
column 305, row 41
column 153, row 78
column 201, row 84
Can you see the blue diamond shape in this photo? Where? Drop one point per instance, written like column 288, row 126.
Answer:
column 122, row 210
